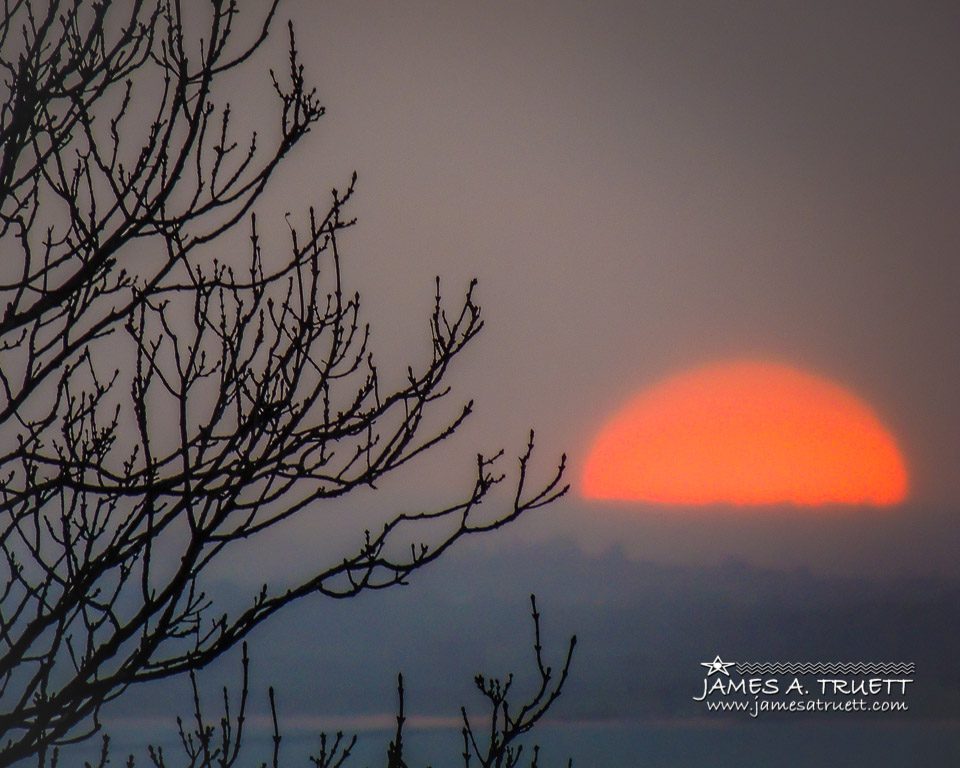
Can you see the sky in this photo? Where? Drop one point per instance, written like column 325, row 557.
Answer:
column 644, row 188
column 641, row 188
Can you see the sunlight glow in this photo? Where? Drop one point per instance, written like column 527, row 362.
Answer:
column 746, row 433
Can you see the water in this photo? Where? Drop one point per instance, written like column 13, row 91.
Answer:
column 799, row 744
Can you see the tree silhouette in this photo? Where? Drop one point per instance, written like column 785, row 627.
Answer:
column 164, row 392
column 206, row 743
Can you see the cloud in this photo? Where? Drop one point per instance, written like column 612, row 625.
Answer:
column 643, row 629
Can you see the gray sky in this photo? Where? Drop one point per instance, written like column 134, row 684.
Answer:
column 646, row 187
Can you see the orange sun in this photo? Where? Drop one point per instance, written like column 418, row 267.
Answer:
column 746, row 433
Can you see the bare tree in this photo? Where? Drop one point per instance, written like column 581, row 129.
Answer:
column 206, row 743
column 160, row 403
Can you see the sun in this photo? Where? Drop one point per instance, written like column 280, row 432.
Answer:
column 746, row 433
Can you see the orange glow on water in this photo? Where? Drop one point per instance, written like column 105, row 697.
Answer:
column 746, row 433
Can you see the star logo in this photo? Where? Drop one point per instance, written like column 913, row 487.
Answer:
column 717, row 665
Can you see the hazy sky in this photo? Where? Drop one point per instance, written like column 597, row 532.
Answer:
column 645, row 187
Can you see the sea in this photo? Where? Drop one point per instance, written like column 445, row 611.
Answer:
column 767, row 744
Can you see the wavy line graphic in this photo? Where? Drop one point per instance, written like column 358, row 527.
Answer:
column 826, row 667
